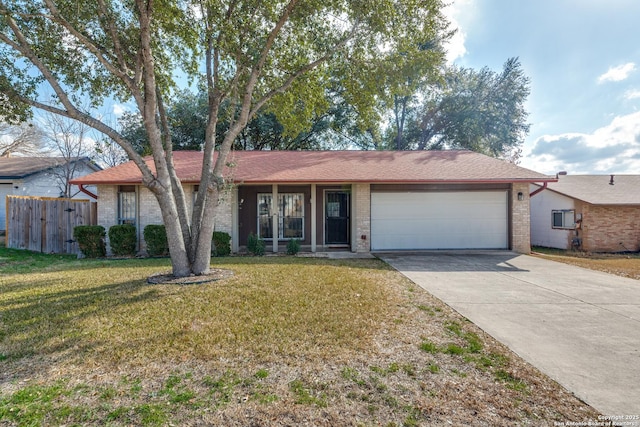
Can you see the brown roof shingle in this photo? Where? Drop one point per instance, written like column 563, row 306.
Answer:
column 338, row 166
column 595, row 189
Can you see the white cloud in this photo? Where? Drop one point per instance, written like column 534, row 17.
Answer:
column 619, row 73
column 632, row 94
column 119, row 109
column 454, row 13
column 614, row 148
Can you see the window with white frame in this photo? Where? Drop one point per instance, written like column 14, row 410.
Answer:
column 127, row 204
column 290, row 216
column 563, row 219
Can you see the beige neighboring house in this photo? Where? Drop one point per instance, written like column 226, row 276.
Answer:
column 594, row 213
column 40, row 176
column 357, row 201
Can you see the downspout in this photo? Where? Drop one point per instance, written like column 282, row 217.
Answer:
column 87, row 192
column 544, row 186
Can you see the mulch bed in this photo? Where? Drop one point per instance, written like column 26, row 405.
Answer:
column 168, row 278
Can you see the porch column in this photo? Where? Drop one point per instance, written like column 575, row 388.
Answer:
column 314, row 220
column 235, row 236
column 274, row 227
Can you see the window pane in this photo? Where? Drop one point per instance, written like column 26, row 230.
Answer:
column 291, row 205
column 557, row 219
column 291, row 211
column 568, row 220
column 265, row 230
column 127, row 208
column 290, row 215
column 291, row 228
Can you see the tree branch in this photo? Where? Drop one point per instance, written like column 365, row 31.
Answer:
column 91, row 46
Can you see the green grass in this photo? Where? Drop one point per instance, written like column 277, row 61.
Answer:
column 306, row 395
column 20, row 261
column 270, row 307
column 90, row 342
column 511, row 381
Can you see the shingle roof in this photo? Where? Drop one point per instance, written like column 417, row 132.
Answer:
column 337, row 166
column 21, row 167
column 595, row 189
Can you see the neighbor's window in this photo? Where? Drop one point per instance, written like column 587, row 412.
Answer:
column 563, row 219
column 290, row 216
column 127, row 204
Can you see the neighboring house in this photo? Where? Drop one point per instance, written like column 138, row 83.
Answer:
column 39, row 176
column 595, row 213
column 351, row 200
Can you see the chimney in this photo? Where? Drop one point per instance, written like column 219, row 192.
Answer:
column 611, row 180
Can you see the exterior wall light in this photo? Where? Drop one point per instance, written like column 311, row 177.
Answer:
column 520, row 196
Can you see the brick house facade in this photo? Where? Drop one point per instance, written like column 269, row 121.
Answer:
column 593, row 213
column 348, row 200
column 609, row 228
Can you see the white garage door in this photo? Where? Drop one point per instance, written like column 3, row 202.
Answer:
column 434, row 220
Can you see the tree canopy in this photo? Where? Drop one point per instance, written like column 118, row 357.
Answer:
column 251, row 54
column 479, row 110
column 337, row 127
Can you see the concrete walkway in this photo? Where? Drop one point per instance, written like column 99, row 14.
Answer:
column 580, row 327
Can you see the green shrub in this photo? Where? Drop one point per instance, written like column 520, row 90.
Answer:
column 90, row 240
column 293, row 246
column 155, row 236
column 221, row 244
column 255, row 245
column 122, row 239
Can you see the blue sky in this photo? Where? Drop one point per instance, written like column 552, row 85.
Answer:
column 583, row 59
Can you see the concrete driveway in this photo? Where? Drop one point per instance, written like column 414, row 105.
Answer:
column 580, row 327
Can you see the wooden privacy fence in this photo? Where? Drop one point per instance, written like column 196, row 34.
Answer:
column 45, row 224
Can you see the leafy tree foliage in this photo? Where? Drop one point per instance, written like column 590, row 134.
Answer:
column 334, row 128
column 252, row 54
column 476, row 110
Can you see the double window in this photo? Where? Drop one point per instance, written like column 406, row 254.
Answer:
column 290, row 216
column 127, row 204
column 565, row 218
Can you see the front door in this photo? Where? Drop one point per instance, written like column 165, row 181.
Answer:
column 336, row 210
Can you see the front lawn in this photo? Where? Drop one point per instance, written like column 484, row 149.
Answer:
column 284, row 341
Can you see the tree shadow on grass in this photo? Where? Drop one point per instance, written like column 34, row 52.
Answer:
column 46, row 322
column 364, row 263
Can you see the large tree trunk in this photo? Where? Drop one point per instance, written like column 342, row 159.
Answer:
column 202, row 259
column 180, row 264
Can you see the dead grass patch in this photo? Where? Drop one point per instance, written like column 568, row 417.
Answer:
column 284, row 341
column 625, row 265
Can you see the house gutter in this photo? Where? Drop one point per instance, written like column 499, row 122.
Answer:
column 544, row 186
column 87, row 192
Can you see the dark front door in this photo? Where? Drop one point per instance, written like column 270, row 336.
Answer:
column 336, row 214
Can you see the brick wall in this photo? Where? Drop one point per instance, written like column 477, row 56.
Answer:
column 609, row 228
column 149, row 210
column 361, row 217
column 107, row 209
column 224, row 212
column 520, row 219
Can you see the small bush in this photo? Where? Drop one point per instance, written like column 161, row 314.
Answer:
column 155, row 236
column 255, row 245
column 122, row 239
column 221, row 244
column 293, row 247
column 90, row 239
